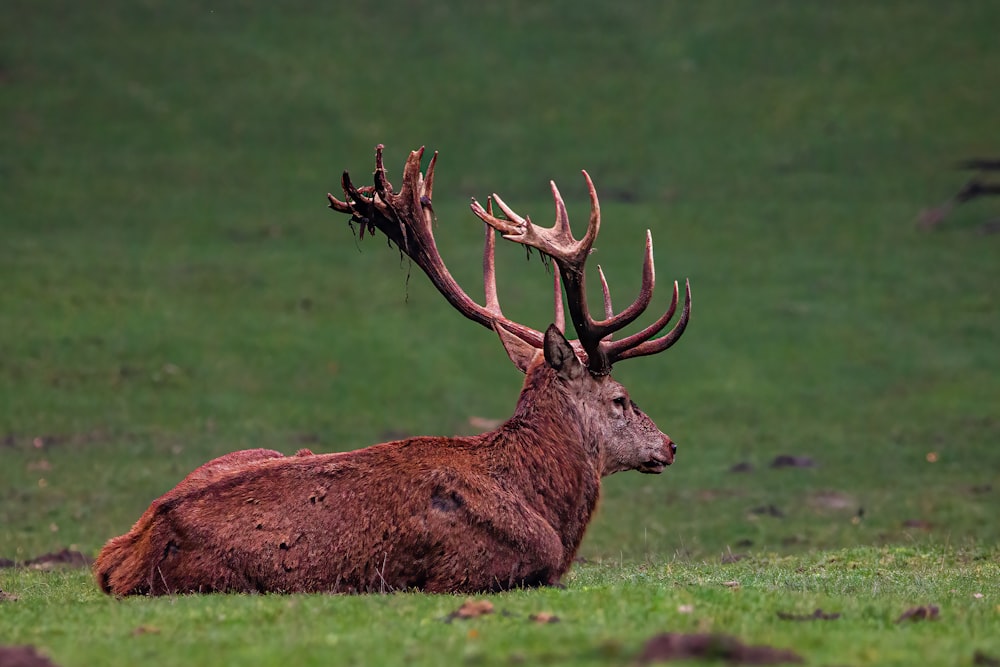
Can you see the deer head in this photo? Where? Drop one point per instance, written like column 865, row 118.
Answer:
column 619, row 436
column 622, row 436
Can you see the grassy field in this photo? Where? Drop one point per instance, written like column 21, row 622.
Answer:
column 603, row 617
column 173, row 288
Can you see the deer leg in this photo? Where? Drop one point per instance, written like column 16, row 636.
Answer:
column 513, row 546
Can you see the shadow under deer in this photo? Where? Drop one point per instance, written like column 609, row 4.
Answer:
column 490, row 512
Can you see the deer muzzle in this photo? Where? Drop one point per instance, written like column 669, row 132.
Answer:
column 660, row 459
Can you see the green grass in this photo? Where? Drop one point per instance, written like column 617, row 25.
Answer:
column 172, row 288
column 604, row 616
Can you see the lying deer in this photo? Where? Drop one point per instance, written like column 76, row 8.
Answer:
column 489, row 512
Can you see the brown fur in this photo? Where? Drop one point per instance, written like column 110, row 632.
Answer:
column 503, row 509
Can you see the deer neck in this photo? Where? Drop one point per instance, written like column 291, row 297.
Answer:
column 549, row 457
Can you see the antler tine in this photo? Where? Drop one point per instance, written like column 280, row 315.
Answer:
column 357, row 204
column 559, row 316
column 561, row 226
column 640, row 345
column 382, row 185
column 336, row 204
column 412, row 190
column 609, row 311
column 613, row 322
column 428, row 183
column 512, row 225
column 509, row 212
column 594, row 225
column 489, row 267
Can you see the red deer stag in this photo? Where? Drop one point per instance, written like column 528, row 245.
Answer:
column 489, row 512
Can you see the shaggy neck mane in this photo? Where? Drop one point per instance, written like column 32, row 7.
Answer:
column 542, row 450
column 543, row 400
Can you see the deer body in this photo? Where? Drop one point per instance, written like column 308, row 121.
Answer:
column 503, row 509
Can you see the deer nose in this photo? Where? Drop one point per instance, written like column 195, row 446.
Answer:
column 673, row 447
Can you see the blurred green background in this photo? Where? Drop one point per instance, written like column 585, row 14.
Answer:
column 173, row 288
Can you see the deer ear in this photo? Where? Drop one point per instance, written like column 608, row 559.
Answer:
column 559, row 354
column 520, row 353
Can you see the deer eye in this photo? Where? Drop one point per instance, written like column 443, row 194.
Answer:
column 621, row 402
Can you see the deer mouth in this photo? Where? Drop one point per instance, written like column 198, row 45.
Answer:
column 653, row 466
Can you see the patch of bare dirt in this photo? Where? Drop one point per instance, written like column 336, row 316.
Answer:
column 8, row 597
column 543, row 617
column 990, row 227
column 832, row 500
column 471, row 609
column 768, row 510
column 23, row 656
column 789, row 461
column 985, row 660
column 678, row 646
column 818, row 615
column 922, row 613
column 66, row 557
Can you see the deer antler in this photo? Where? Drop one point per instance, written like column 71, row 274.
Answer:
column 406, row 219
column 570, row 256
